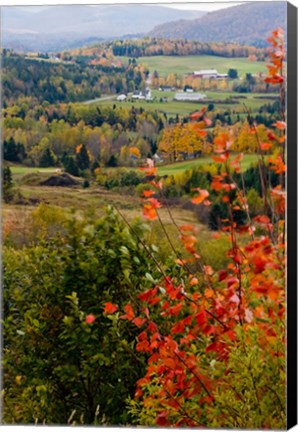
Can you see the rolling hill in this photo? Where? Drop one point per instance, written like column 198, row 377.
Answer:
column 60, row 27
column 249, row 23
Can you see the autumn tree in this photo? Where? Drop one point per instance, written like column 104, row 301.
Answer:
column 82, row 157
column 180, row 141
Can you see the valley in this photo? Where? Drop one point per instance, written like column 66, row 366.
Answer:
column 143, row 217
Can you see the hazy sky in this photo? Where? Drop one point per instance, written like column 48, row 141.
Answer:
column 205, row 6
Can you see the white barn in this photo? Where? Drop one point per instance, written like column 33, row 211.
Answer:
column 121, row 98
column 189, row 96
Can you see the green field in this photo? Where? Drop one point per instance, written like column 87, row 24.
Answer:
column 19, row 171
column 187, row 64
column 179, row 167
column 172, row 107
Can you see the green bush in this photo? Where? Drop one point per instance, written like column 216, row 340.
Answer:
column 255, row 202
column 56, row 364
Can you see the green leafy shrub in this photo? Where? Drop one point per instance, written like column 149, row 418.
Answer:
column 54, row 360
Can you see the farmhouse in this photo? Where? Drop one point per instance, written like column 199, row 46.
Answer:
column 208, row 73
column 121, row 98
column 142, row 94
column 189, row 96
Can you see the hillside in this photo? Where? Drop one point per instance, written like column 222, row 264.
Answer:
column 56, row 28
column 249, row 23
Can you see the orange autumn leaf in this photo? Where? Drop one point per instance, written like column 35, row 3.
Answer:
column 203, row 194
column 194, row 281
column 149, row 212
column 149, row 208
column 148, row 193
column 139, row 321
column 277, row 165
column 186, row 227
column 198, row 114
column 280, row 125
column 110, row 308
column 209, row 293
column 208, row 270
column 207, row 121
column 129, row 313
column 150, row 172
column 265, row 146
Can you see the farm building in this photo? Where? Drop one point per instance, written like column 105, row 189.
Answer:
column 142, row 94
column 189, row 96
column 121, row 98
column 208, row 73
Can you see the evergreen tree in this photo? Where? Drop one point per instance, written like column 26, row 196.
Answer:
column 233, row 73
column 10, row 150
column 112, row 162
column 82, row 158
column 47, row 158
column 7, row 184
column 71, row 166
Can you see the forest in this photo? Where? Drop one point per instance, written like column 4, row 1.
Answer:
column 143, row 246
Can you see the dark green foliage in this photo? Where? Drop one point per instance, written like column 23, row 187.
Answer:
column 252, row 179
column 197, row 179
column 219, row 214
column 71, row 166
column 218, row 211
column 13, row 151
column 78, row 80
column 82, row 158
column 122, row 178
column 54, row 361
column 7, row 184
column 47, row 158
column 172, row 46
column 112, row 162
column 233, row 73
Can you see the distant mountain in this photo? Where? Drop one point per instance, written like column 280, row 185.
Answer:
column 249, row 23
column 44, row 28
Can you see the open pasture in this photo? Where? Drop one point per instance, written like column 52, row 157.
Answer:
column 165, row 65
column 172, row 107
column 18, row 171
column 178, row 167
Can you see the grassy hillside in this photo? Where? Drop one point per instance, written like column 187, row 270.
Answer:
column 172, row 107
column 187, row 64
column 186, row 165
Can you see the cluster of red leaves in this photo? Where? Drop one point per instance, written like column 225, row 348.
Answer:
column 277, row 57
column 150, row 207
column 209, row 306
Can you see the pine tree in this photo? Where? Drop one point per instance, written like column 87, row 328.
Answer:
column 70, row 166
column 82, row 158
column 10, row 150
column 7, row 184
column 47, row 158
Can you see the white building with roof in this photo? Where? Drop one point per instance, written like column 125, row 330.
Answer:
column 206, row 73
column 189, row 96
column 121, row 98
column 142, row 94
column 209, row 73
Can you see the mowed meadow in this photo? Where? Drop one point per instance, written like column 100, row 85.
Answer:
column 165, row 65
column 144, row 239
